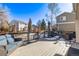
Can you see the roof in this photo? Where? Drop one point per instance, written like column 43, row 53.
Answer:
column 34, row 26
column 17, row 21
column 63, row 14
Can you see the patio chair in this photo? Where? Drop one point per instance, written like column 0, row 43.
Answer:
column 70, row 38
column 8, row 45
column 3, row 44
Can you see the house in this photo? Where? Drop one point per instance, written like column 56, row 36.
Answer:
column 66, row 22
column 18, row 26
column 34, row 28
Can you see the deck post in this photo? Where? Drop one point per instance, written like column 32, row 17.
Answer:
column 76, row 10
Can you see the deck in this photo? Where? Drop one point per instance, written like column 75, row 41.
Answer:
column 41, row 48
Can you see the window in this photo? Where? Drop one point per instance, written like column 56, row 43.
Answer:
column 63, row 18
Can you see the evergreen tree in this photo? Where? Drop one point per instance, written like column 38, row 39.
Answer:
column 43, row 26
column 29, row 29
column 29, row 25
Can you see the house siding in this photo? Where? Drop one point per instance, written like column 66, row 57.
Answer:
column 66, row 27
column 68, row 24
column 69, row 17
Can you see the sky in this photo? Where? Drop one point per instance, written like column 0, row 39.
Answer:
column 65, row 7
column 35, row 11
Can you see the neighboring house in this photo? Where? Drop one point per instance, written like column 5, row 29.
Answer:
column 34, row 28
column 66, row 21
column 19, row 26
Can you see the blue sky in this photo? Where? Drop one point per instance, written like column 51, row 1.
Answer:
column 24, row 11
column 35, row 11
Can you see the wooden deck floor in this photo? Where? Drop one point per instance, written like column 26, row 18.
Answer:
column 41, row 48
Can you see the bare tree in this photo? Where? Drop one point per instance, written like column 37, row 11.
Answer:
column 4, row 26
column 54, row 8
column 39, row 28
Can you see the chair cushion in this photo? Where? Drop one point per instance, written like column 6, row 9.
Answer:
column 19, row 43
column 3, row 40
column 10, row 39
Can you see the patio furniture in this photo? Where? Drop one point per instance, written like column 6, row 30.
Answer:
column 8, row 44
column 3, row 44
column 70, row 39
column 12, row 45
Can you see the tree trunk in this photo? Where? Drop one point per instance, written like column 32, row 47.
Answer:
column 48, row 29
column 28, row 38
column 44, row 34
